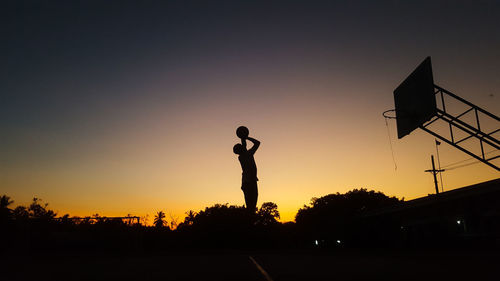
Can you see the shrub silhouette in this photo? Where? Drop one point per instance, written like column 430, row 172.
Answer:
column 228, row 225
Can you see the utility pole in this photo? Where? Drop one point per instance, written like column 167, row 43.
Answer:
column 434, row 173
column 439, row 163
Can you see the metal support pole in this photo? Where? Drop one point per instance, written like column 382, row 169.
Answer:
column 460, row 148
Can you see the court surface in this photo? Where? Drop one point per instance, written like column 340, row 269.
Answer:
column 258, row 265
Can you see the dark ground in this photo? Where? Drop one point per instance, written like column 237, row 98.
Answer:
column 280, row 265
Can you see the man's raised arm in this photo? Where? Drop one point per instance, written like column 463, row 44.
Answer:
column 255, row 146
column 244, row 143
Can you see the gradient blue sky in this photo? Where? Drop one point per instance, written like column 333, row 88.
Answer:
column 123, row 107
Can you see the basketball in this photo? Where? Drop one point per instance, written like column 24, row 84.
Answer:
column 242, row 132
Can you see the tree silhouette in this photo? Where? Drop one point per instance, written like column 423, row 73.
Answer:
column 65, row 221
column 221, row 216
column 340, row 206
column 338, row 215
column 159, row 221
column 173, row 221
column 5, row 201
column 5, row 212
column 37, row 211
column 189, row 219
column 21, row 213
column 268, row 213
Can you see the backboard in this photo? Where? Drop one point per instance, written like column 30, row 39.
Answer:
column 415, row 99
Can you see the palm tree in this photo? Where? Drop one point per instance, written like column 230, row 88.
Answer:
column 160, row 219
column 5, row 212
column 190, row 217
column 5, row 201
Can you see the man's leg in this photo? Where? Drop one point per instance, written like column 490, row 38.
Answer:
column 251, row 194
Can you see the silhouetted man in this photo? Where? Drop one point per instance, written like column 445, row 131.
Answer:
column 249, row 178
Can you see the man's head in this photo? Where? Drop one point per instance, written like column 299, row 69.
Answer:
column 238, row 148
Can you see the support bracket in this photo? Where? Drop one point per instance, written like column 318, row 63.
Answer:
column 456, row 122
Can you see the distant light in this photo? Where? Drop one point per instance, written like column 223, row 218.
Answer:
column 402, row 227
column 459, row 222
column 316, row 242
column 338, row 241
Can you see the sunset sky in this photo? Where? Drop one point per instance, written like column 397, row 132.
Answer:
column 121, row 107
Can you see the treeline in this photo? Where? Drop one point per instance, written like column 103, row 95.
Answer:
column 347, row 220
column 335, row 220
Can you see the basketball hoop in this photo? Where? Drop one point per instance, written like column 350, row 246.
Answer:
column 389, row 114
